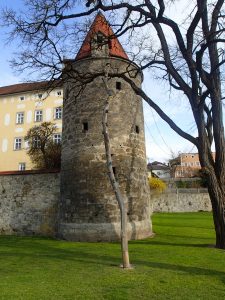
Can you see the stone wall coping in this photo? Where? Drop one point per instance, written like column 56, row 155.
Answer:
column 29, row 172
column 186, row 191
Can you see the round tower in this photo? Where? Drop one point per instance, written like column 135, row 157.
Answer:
column 88, row 209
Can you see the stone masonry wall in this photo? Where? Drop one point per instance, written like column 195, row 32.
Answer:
column 181, row 202
column 88, row 202
column 28, row 204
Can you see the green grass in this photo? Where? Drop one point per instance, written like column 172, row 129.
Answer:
column 178, row 263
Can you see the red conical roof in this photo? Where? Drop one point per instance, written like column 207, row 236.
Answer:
column 101, row 25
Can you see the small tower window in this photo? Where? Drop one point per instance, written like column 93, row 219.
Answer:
column 110, row 44
column 137, row 129
column 85, row 126
column 99, row 39
column 114, row 170
column 118, row 85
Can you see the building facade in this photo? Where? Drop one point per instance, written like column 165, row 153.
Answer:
column 159, row 170
column 23, row 106
column 188, row 165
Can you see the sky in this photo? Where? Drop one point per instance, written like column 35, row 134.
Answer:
column 161, row 141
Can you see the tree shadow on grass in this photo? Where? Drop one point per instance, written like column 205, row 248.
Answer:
column 177, row 244
column 43, row 248
column 35, row 250
column 207, row 227
column 176, row 240
column 184, row 269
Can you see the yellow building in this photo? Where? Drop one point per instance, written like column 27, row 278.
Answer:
column 189, row 165
column 23, row 106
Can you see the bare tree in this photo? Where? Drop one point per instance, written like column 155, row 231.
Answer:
column 192, row 62
column 114, row 183
column 43, row 151
column 174, row 162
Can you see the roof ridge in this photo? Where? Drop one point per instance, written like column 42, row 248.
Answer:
column 28, row 86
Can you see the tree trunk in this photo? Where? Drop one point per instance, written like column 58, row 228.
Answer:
column 216, row 193
column 115, row 185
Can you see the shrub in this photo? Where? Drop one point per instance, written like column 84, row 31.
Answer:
column 157, row 184
column 181, row 184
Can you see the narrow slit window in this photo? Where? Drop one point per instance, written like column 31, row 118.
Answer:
column 118, row 85
column 114, row 170
column 137, row 129
column 110, row 44
column 85, row 126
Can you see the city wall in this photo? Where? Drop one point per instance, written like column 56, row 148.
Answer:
column 181, row 200
column 29, row 202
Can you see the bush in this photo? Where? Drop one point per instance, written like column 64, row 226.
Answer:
column 157, row 184
column 182, row 184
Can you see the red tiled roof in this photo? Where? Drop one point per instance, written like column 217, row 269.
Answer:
column 26, row 87
column 101, row 25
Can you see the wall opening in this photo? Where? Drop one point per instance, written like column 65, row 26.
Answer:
column 85, row 126
column 114, row 170
column 118, row 85
column 100, row 39
column 137, row 129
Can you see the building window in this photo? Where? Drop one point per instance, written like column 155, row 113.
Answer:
column 39, row 96
column 17, row 143
column 57, row 138
column 118, row 85
column 36, row 142
column 58, row 113
column 59, row 93
column 38, row 116
column 19, row 118
column 22, row 166
column 22, row 98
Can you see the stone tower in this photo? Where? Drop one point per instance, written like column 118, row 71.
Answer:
column 88, row 208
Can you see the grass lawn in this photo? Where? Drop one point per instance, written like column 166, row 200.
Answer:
column 177, row 263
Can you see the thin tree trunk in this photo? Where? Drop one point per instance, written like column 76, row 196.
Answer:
column 114, row 183
column 217, row 199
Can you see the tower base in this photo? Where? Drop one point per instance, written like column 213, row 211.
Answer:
column 103, row 232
